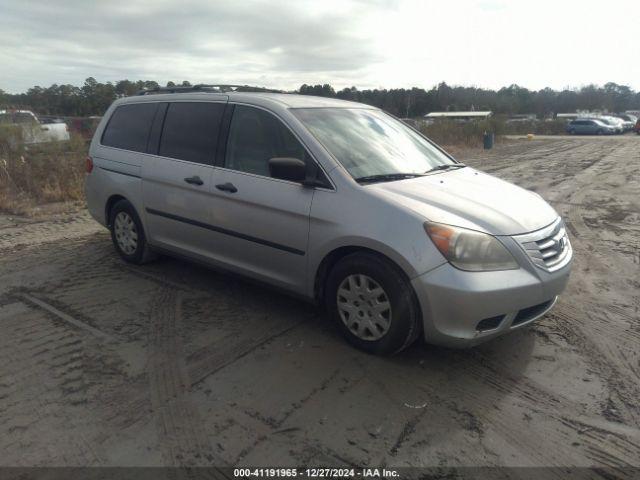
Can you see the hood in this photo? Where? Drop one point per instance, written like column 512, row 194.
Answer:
column 471, row 199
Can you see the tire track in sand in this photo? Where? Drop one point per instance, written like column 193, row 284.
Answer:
column 182, row 436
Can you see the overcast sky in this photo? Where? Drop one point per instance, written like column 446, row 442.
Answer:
column 283, row 44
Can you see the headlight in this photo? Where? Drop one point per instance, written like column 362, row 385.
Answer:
column 470, row 250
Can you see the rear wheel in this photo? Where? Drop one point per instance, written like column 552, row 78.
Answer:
column 128, row 234
column 373, row 304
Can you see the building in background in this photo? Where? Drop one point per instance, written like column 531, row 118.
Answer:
column 460, row 117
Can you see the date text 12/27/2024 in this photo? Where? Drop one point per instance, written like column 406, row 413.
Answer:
column 315, row 473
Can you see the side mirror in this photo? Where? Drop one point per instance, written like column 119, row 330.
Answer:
column 285, row 168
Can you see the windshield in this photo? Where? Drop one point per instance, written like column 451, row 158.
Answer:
column 370, row 142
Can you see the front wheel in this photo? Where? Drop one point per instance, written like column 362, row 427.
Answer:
column 373, row 304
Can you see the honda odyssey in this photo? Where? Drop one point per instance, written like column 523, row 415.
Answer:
column 334, row 201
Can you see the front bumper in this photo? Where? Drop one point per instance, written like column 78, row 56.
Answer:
column 462, row 309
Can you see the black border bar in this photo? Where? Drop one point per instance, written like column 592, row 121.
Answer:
column 306, row 473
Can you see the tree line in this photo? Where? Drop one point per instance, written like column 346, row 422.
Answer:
column 93, row 98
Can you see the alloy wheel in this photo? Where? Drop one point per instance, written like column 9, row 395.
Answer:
column 126, row 233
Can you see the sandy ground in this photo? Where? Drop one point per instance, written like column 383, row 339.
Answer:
column 102, row 363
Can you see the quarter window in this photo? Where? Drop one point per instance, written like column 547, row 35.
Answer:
column 190, row 131
column 255, row 136
column 129, row 126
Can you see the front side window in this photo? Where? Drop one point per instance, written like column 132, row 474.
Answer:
column 255, row 136
column 190, row 131
column 370, row 142
column 129, row 126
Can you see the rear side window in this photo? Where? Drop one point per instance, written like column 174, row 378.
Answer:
column 129, row 127
column 191, row 131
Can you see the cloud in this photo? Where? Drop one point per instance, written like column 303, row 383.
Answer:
column 284, row 43
column 207, row 41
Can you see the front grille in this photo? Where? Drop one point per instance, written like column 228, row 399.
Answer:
column 548, row 248
column 531, row 312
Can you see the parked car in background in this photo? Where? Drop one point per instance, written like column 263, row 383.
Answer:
column 628, row 121
column 589, row 126
column 32, row 129
column 46, row 119
column 335, row 201
column 616, row 123
column 637, row 127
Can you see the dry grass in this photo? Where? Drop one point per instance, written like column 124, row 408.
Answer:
column 39, row 175
column 538, row 127
column 469, row 134
column 462, row 134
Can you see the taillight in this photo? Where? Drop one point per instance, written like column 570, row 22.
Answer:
column 88, row 163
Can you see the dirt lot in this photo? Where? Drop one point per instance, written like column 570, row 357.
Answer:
column 102, row 363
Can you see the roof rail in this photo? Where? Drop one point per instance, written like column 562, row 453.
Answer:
column 201, row 87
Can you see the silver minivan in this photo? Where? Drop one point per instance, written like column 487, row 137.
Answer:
column 334, row 201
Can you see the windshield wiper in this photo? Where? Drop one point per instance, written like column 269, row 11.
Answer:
column 387, row 177
column 446, row 166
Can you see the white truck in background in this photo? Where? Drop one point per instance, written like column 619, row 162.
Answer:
column 34, row 131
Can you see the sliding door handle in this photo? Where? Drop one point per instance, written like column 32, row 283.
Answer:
column 194, row 180
column 227, row 187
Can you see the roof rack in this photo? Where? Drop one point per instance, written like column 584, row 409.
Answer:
column 201, row 87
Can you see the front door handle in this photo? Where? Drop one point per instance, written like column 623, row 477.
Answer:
column 227, row 187
column 194, row 180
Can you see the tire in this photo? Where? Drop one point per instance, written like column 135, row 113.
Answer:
column 403, row 323
column 572, row 132
column 128, row 235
